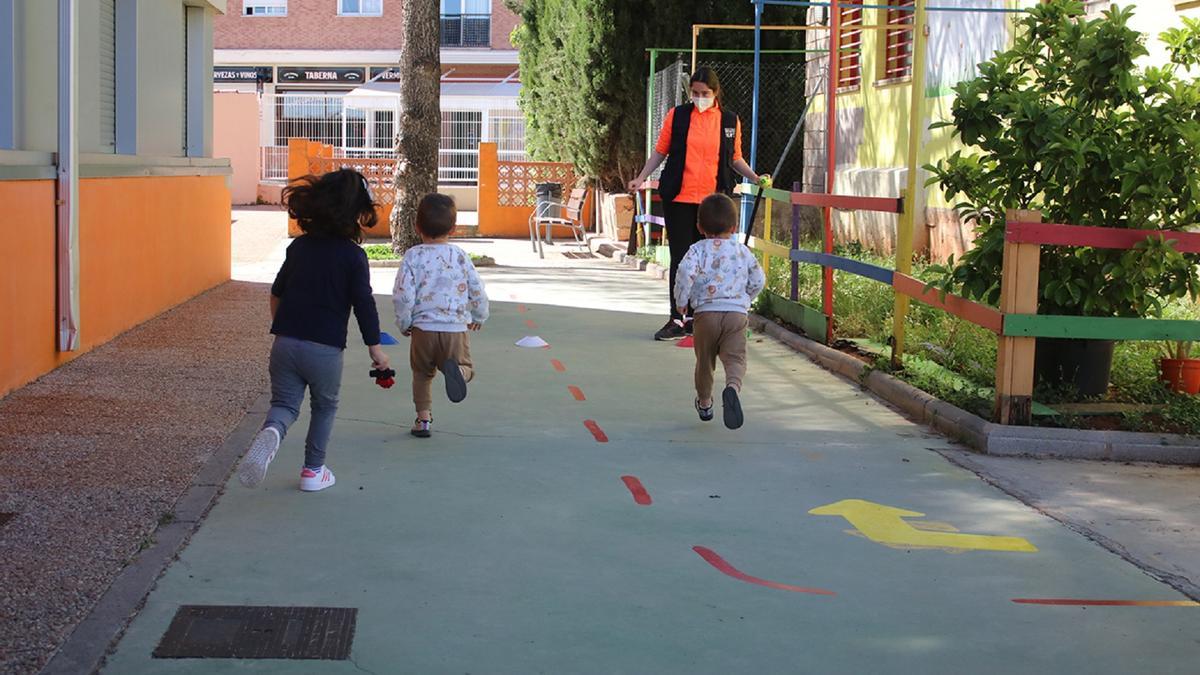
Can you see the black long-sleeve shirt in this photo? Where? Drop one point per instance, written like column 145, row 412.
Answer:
column 322, row 278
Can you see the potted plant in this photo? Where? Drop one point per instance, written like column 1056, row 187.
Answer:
column 1179, row 369
column 1063, row 122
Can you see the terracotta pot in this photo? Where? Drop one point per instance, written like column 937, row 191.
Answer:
column 1181, row 375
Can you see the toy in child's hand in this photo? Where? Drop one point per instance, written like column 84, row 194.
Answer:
column 384, row 377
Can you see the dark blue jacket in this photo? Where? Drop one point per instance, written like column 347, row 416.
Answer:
column 322, row 278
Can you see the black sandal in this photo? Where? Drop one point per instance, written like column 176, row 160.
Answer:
column 706, row 414
column 732, row 408
column 422, row 428
column 456, row 384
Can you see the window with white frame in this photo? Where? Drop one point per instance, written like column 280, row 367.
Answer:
column 360, row 7
column 466, row 23
column 264, row 8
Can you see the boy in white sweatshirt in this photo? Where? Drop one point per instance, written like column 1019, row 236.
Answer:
column 438, row 298
column 719, row 277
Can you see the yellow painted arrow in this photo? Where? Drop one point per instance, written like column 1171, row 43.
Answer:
column 885, row 525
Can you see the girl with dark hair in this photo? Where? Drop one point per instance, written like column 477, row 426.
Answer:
column 324, row 276
column 702, row 145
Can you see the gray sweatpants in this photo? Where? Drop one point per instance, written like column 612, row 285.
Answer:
column 296, row 364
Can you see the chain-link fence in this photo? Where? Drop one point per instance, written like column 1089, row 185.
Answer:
column 782, row 93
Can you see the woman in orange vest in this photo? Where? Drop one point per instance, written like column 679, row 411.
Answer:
column 702, row 145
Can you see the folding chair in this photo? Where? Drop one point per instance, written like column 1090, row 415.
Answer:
column 571, row 219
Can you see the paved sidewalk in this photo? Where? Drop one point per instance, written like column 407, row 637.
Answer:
column 1147, row 513
column 512, row 541
column 97, row 453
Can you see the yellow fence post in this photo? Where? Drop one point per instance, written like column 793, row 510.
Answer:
column 766, row 237
column 907, row 222
column 1018, row 295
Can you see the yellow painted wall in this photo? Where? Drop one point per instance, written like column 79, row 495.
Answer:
column 873, row 157
column 146, row 244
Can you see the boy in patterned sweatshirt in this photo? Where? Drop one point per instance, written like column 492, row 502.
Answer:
column 438, row 298
column 720, row 277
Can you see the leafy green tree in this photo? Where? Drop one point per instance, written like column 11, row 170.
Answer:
column 1064, row 123
column 584, row 67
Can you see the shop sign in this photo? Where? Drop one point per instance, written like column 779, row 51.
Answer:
column 318, row 75
column 242, row 73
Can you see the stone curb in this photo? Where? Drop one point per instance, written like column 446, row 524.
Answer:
column 984, row 436
column 88, row 644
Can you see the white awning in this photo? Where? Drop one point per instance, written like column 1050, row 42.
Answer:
column 386, row 95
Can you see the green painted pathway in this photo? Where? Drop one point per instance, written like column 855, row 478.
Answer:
column 509, row 544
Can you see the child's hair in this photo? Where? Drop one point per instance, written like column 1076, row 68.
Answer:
column 436, row 215
column 336, row 204
column 717, row 215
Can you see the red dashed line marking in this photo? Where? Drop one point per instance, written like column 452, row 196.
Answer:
column 637, row 489
column 729, row 570
column 591, row 425
column 577, row 393
column 1106, row 603
column 530, row 323
column 558, row 365
column 522, row 309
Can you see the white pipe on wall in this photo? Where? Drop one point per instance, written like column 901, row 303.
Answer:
column 67, row 185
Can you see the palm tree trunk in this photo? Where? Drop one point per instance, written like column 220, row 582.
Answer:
column 420, row 118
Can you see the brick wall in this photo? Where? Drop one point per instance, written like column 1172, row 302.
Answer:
column 503, row 23
column 315, row 24
column 309, row 24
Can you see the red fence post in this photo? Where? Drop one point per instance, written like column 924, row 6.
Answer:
column 1018, row 295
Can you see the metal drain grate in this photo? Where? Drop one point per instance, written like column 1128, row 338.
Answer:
column 240, row 632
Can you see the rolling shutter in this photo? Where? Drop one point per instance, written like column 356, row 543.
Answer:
column 106, row 113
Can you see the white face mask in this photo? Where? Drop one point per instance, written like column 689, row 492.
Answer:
column 704, row 103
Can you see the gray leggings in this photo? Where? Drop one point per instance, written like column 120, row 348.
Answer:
column 296, row 364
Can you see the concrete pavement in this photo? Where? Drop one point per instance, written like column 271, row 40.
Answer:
column 511, row 543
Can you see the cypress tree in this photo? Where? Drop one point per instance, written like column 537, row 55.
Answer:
column 584, row 67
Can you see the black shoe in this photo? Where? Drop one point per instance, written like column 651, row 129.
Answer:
column 706, row 414
column 456, row 384
column 731, row 408
column 671, row 330
column 689, row 326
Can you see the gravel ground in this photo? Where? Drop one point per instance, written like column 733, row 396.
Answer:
column 96, row 454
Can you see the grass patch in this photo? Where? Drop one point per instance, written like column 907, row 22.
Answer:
column 385, row 252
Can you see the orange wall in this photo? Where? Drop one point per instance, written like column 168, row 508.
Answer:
column 26, row 281
column 235, row 135
column 146, row 244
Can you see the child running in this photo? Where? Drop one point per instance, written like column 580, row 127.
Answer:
column 438, row 298
column 719, row 276
column 324, row 275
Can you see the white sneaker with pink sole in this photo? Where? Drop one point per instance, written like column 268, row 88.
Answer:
column 312, row 481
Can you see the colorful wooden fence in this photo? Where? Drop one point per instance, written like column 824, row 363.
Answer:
column 307, row 157
column 1016, row 322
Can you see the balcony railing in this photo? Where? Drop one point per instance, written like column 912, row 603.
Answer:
column 466, row 30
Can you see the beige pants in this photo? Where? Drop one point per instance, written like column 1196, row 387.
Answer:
column 429, row 350
column 719, row 334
